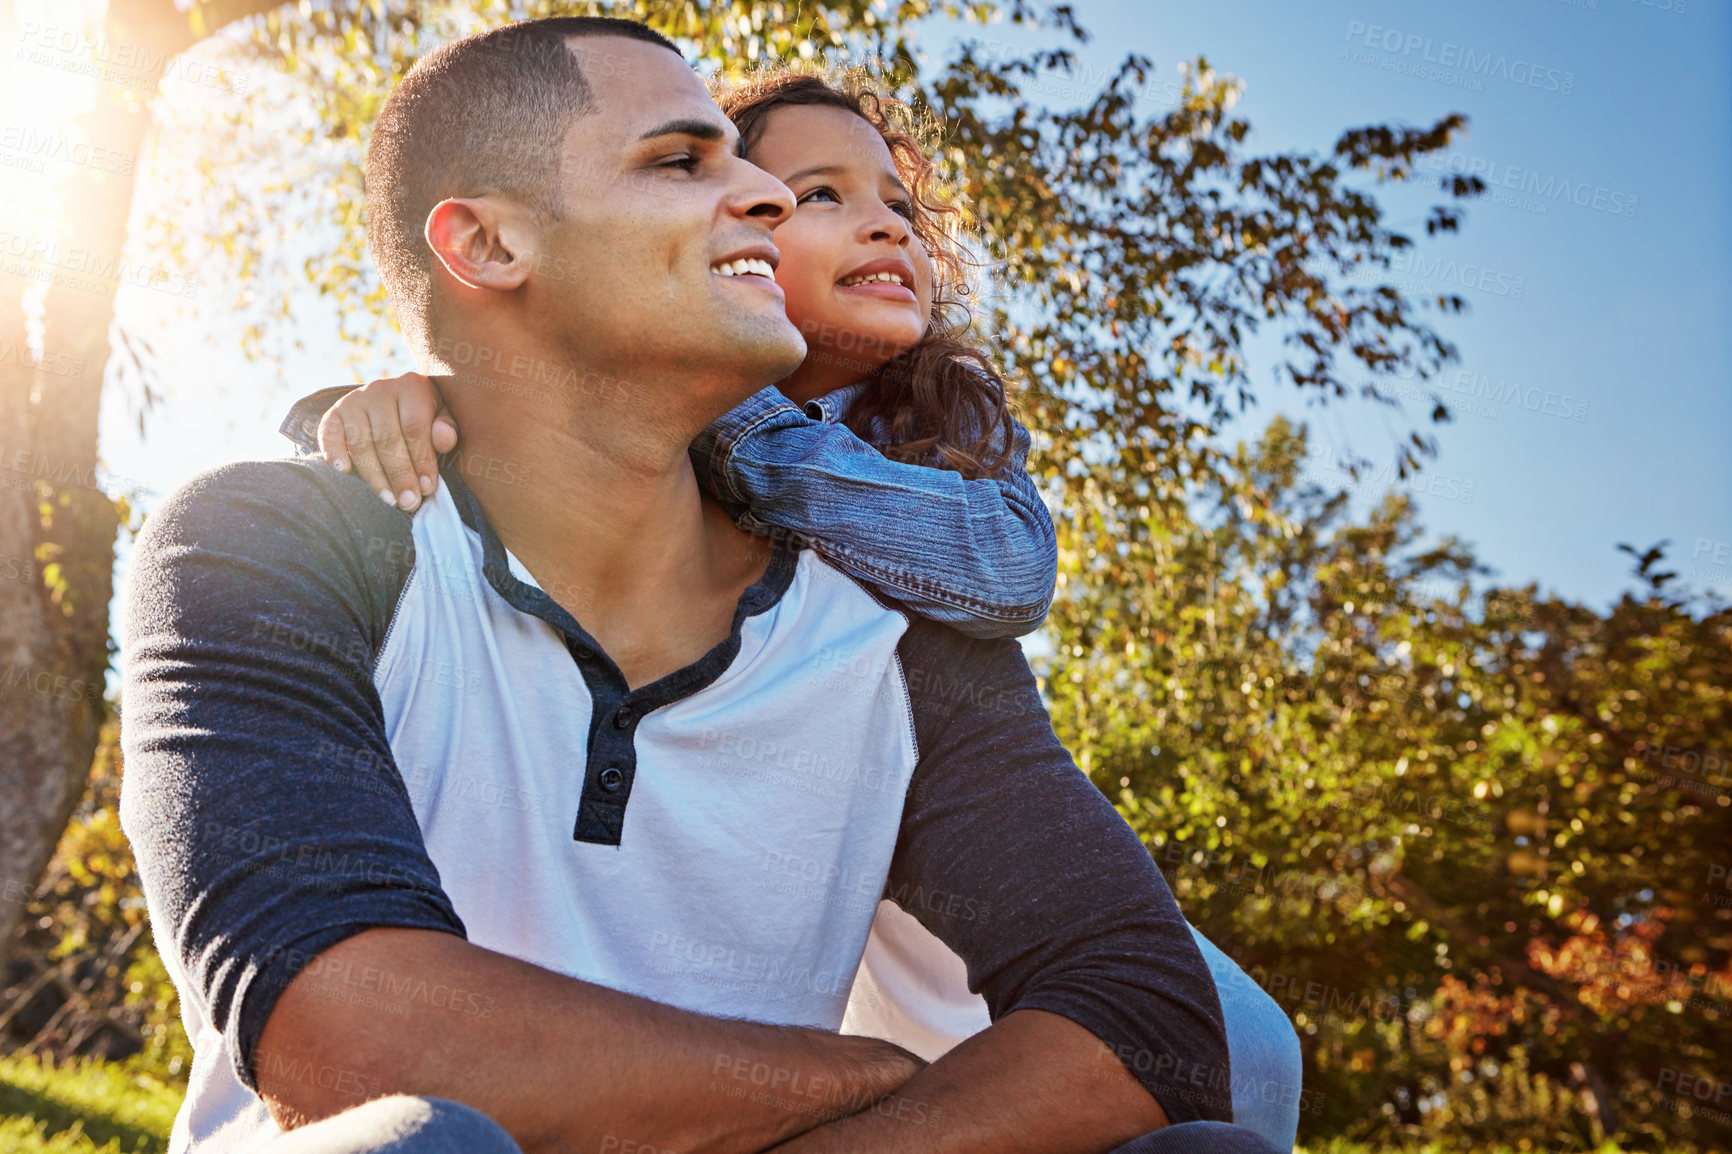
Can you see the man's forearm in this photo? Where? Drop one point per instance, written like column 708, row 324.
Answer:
column 562, row 1065
column 1033, row 1081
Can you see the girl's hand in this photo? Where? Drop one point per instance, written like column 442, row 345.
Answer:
column 388, row 432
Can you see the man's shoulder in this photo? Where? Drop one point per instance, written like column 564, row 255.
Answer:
column 276, row 529
column 264, row 500
column 948, row 671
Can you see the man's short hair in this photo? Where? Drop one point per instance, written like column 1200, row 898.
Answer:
column 485, row 114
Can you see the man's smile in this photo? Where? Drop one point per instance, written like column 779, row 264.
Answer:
column 747, row 266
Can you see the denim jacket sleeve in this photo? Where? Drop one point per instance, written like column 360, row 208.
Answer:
column 301, row 426
column 980, row 556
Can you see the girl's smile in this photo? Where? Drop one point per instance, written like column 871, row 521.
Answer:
column 857, row 280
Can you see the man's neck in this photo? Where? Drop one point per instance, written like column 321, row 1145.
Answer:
column 823, row 371
column 597, row 499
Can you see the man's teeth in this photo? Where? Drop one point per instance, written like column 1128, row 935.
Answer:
column 887, row 277
column 747, row 266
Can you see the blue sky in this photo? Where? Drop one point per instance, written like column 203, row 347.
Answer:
column 1617, row 307
column 1610, row 316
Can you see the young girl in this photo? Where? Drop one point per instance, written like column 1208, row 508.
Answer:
column 898, row 461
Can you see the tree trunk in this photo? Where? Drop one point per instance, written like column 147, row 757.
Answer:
column 57, row 526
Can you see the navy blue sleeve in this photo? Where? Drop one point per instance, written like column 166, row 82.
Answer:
column 267, row 816
column 1010, row 856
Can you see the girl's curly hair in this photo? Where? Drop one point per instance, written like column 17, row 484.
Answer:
column 943, row 400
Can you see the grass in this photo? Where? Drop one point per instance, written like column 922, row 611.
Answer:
column 83, row 1108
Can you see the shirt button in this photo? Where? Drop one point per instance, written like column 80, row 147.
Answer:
column 612, row 779
column 622, row 717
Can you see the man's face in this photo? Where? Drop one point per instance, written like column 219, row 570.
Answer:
column 654, row 204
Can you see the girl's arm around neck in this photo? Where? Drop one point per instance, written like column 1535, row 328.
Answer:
column 980, row 556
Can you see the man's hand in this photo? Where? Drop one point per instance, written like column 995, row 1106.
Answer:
column 1033, row 1082
column 563, row 1065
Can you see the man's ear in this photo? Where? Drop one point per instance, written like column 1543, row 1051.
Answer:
column 482, row 241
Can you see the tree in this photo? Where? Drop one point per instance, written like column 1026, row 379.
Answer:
column 57, row 527
column 1468, row 841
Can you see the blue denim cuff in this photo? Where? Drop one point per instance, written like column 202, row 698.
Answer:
column 712, row 448
column 302, row 424
column 832, row 408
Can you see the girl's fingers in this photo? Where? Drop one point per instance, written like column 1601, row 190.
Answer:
column 333, row 441
column 444, row 431
column 415, row 415
column 363, row 455
column 392, row 450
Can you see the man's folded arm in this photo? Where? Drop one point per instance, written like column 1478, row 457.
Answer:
column 1106, row 1023
column 287, row 877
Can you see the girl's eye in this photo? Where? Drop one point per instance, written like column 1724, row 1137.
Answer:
column 687, row 163
column 902, row 209
column 824, row 191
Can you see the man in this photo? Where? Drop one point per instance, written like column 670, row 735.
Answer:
column 413, row 835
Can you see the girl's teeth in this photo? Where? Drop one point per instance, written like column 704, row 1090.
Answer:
column 887, row 277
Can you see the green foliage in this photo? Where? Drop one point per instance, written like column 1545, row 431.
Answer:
column 1440, row 834
column 83, row 977
column 83, row 1107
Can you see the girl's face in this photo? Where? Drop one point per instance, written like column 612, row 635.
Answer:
column 858, row 282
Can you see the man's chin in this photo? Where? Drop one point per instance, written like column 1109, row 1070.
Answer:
column 768, row 354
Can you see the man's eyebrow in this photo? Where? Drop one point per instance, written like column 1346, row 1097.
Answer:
column 690, row 126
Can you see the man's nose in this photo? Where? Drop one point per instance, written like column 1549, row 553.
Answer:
column 762, row 196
